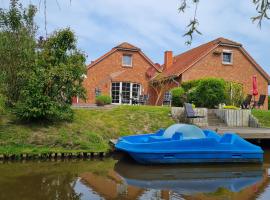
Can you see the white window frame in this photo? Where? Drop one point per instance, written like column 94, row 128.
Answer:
column 227, row 51
column 125, row 65
column 120, row 90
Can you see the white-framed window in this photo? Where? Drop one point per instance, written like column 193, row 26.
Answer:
column 97, row 92
column 127, row 60
column 125, row 92
column 227, row 57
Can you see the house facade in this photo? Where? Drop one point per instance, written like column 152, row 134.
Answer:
column 126, row 72
column 123, row 73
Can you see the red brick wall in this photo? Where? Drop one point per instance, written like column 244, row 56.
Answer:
column 110, row 69
column 240, row 71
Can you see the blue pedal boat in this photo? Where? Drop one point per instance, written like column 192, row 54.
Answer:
column 183, row 143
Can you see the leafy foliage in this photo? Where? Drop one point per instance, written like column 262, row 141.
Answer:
column 17, row 48
column 103, row 100
column 190, row 84
column 262, row 9
column 219, row 91
column 178, row 96
column 234, row 93
column 231, row 107
column 57, row 77
column 38, row 77
column 209, row 93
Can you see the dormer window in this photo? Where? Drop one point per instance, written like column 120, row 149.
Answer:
column 227, row 57
column 127, row 60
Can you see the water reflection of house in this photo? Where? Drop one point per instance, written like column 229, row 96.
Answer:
column 111, row 186
column 250, row 192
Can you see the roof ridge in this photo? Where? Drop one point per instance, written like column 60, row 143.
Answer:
column 126, row 45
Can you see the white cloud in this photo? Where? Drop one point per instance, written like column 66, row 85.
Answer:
column 155, row 26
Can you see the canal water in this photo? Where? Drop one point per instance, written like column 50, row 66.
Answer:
column 122, row 178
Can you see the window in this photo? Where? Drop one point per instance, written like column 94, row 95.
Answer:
column 227, row 57
column 97, row 92
column 127, row 60
column 116, row 92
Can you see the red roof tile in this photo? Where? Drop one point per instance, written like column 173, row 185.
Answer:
column 187, row 59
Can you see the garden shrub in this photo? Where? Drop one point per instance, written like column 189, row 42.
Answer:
column 209, row 93
column 103, row 100
column 234, row 93
column 190, row 84
column 178, row 96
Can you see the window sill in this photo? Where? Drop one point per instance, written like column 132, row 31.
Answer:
column 127, row 66
column 227, row 63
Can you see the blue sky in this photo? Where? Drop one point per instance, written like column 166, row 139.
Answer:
column 154, row 26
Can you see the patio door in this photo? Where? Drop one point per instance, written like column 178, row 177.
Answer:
column 125, row 92
column 125, row 97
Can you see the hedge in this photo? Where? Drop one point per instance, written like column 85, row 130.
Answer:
column 178, row 96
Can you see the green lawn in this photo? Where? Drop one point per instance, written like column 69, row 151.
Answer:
column 263, row 116
column 89, row 132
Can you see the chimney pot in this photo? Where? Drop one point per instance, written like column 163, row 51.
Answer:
column 168, row 59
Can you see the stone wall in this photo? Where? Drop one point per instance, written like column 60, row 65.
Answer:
column 178, row 113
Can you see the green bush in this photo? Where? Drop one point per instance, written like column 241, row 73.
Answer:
column 190, row 84
column 208, row 93
column 103, row 100
column 234, row 93
column 178, row 96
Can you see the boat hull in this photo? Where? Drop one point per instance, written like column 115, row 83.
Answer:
column 206, row 157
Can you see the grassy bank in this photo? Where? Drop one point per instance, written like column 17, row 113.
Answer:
column 263, row 116
column 89, row 132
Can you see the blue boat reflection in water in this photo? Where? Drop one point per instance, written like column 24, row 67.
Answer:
column 190, row 179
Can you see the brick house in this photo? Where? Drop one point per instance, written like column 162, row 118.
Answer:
column 122, row 73
column 221, row 58
column 125, row 71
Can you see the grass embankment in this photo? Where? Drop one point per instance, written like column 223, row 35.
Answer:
column 263, row 116
column 90, row 130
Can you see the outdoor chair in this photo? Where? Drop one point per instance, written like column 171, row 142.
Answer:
column 260, row 103
column 190, row 113
column 246, row 102
column 135, row 101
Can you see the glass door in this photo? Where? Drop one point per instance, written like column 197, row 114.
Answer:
column 125, row 97
column 116, row 92
column 136, row 91
column 125, row 92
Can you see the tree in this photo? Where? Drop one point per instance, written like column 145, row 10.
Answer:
column 38, row 77
column 17, row 48
column 57, row 77
column 262, row 8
